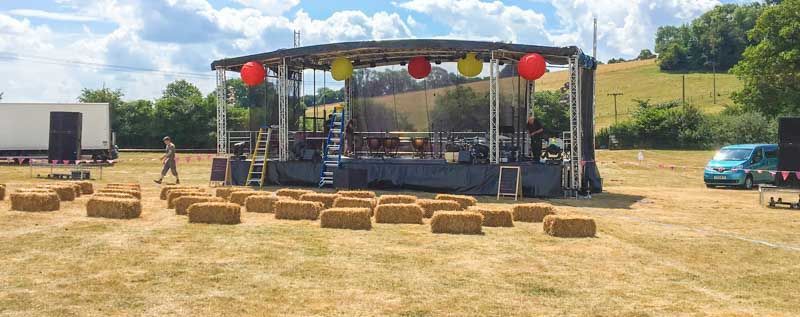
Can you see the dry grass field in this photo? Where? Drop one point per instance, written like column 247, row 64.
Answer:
column 666, row 246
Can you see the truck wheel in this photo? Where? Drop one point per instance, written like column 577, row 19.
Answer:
column 710, row 186
column 748, row 182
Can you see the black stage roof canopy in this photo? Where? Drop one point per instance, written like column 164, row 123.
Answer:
column 379, row 53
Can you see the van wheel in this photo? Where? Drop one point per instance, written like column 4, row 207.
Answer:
column 710, row 186
column 748, row 182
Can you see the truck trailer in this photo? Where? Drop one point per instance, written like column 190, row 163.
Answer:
column 26, row 129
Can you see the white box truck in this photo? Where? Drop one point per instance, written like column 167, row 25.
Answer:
column 25, row 129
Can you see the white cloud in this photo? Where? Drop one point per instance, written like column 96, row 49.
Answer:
column 270, row 7
column 474, row 19
column 624, row 27
column 30, row 13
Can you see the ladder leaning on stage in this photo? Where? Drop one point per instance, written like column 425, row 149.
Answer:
column 258, row 166
column 334, row 146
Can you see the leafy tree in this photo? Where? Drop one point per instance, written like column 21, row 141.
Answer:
column 616, row 60
column 553, row 114
column 716, row 39
column 114, row 100
column 185, row 115
column 460, row 109
column 770, row 69
column 645, row 54
column 135, row 119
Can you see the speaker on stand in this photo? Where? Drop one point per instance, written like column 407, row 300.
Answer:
column 65, row 136
column 789, row 151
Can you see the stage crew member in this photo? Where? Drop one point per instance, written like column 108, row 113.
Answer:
column 168, row 159
column 535, row 131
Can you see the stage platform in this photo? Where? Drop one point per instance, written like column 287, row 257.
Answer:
column 436, row 176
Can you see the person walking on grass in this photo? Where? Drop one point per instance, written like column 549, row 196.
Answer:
column 169, row 161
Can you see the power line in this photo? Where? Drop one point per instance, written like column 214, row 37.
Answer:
column 8, row 56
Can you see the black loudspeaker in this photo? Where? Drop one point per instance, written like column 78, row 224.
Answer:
column 65, row 136
column 788, row 160
column 789, row 130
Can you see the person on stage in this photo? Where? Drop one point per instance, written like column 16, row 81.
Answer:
column 535, row 131
column 168, row 159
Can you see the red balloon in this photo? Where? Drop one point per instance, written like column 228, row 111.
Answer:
column 419, row 67
column 253, row 73
column 532, row 66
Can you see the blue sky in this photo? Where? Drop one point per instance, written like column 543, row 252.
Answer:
column 54, row 48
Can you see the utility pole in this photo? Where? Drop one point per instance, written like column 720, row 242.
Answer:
column 615, row 94
column 683, row 89
column 714, row 80
column 594, row 39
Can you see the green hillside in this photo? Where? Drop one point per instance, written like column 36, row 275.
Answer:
column 636, row 80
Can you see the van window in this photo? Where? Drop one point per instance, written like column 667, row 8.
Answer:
column 757, row 156
column 771, row 153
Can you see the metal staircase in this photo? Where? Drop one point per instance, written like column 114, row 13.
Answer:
column 334, row 146
column 258, row 167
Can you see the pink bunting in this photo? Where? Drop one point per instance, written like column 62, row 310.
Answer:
column 760, row 172
column 747, row 171
column 772, row 173
column 785, row 175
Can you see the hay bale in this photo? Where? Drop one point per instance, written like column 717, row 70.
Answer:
column 174, row 194
column 494, row 217
column 353, row 202
column 114, row 195
column 87, row 188
column 346, row 218
column 357, row 194
column 215, row 213
column 35, row 201
column 464, row 201
column 399, row 213
column 135, row 186
column 293, row 193
column 75, row 187
column 262, row 203
column 2, row 191
column 569, row 226
column 225, row 192
column 429, row 206
column 396, row 199
column 183, row 203
column 534, row 212
column 326, row 199
column 134, row 193
column 297, row 210
column 240, row 196
column 456, row 222
column 165, row 190
column 65, row 192
column 115, row 208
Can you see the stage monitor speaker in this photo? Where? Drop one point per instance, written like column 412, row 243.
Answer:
column 789, row 130
column 65, row 136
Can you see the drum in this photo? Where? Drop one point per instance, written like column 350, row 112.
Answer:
column 391, row 143
column 374, row 144
column 420, row 144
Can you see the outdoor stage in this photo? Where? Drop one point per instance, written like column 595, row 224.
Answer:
column 438, row 176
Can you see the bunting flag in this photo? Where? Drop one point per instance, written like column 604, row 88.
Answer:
column 785, row 175
column 747, row 171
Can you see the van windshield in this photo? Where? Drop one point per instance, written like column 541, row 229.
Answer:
column 732, row 155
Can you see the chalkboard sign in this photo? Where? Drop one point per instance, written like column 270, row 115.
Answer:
column 509, row 182
column 219, row 169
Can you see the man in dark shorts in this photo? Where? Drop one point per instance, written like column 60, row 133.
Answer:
column 169, row 161
column 535, row 131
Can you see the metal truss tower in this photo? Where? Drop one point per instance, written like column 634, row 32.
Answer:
column 222, row 112
column 283, row 112
column 494, row 106
column 575, row 167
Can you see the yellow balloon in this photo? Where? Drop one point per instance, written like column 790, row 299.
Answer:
column 470, row 66
column 341, row 69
